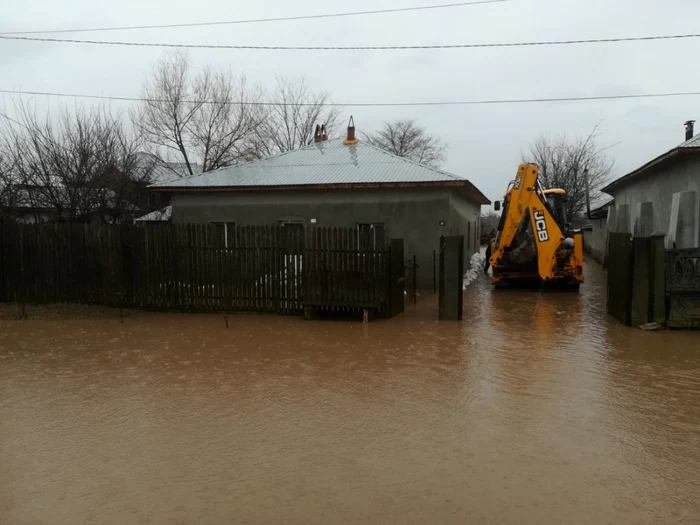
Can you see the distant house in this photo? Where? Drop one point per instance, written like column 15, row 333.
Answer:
column 595, row 234
column 58, row 202
column 339, row 183
column 114, row 195
column 157, row 216
column 662, row 196
column 154, row 170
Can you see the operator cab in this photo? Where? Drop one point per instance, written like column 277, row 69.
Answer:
column 556, row 201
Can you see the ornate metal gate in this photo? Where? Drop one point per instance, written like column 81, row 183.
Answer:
column 683, row 288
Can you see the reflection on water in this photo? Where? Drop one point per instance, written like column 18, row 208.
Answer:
column 536, row 410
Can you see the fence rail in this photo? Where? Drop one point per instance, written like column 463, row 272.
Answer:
column 195, row 267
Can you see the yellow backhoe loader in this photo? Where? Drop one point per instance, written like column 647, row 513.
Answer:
column 533, row 241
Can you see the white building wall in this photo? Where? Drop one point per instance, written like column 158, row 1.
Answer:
column 658, row 187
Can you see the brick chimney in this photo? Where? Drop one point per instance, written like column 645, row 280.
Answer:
column 350, row 139
column 320, row 133
column 689, row 129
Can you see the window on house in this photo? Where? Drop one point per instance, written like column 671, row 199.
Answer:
column 226, row 231
column 370, row 235
column 292, row 234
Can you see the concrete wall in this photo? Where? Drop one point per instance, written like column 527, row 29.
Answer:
column 465, row 217
column 413, row 214
column 595, row 238
column 658, row 188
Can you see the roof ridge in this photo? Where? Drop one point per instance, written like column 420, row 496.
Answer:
column 264, row 159
column 281, row 154
column 653, row 162
column 326, row 163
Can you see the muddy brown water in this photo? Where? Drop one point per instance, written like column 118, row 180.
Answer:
column 537, row 409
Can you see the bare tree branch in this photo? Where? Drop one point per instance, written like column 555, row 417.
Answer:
column 206, row 122
column 489, row 225
column 290, row 122
column 562, row 163
column 405, row 138
column 74, row 166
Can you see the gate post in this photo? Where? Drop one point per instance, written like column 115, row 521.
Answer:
column 396, row 278
column 658, row 271
column 127, row 256
column 451, row 278
column 619, row 283
column 641, row 281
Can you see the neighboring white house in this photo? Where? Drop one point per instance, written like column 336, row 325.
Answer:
column 662, row 196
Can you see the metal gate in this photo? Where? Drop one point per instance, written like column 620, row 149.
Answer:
column 683, row 288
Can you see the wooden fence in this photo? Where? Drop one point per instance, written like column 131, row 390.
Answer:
column 619, row 287
column 196, row 267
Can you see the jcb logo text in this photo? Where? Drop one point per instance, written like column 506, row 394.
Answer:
column 541, row 226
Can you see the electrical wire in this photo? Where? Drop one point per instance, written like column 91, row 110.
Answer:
column 355, row 48
column 374, row 104
column 255, row 20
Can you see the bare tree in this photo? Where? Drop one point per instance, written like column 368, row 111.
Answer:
column 406, row 138
column 291, row 116
column 562, row 163
column 489, row 225
column 9, row 197
column 206, row 121
column 74, row 166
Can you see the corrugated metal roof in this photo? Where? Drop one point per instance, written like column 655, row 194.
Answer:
column 600, row 211
column 329, row 162
column 691, row 146
column 692, row 143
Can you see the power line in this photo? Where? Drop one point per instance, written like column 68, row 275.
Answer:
column 377, row 104
column 357, row 48
column 257, row 20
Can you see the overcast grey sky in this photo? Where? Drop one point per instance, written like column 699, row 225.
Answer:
column 485, row 142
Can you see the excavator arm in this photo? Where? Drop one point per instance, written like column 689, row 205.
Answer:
column 548, row 237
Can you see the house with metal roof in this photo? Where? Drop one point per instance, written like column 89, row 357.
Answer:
column 661, row 196
column 337, row 183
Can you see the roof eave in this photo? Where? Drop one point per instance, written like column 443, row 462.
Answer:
column 669, row 156
column 475, row 194
column 351, row 185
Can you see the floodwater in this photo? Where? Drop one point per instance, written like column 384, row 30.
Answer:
column 537, row 409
